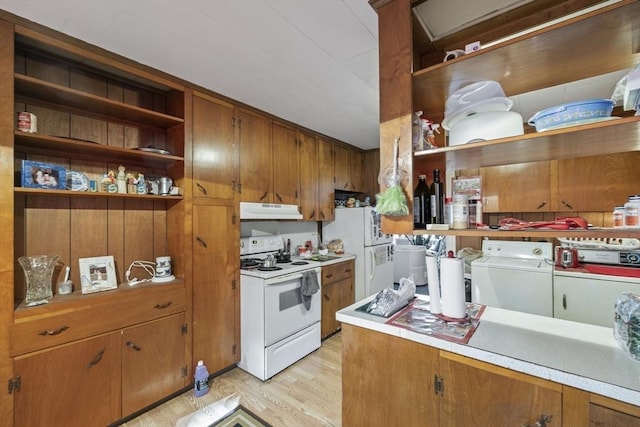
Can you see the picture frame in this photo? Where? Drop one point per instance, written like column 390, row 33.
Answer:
column 43, row 175
column 97, row 274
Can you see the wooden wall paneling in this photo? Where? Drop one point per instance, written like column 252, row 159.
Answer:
column 114, row 235
column 161, row 229
column 88, row 233
column 7, row 261
column 139, row 231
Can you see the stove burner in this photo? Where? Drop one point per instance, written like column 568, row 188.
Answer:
column 283, row 260
column 269, row 268
column 249, row 263
column 300, row 263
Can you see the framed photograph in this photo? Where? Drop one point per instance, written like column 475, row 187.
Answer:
column 97, row 274
column 43, row 175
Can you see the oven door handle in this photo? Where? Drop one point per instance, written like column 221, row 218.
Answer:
column 288, row 277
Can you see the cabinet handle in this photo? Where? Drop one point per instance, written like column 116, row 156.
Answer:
column 54, row 332
column 202, row 242
column 133, row 346
column 165, row 305
column 329, row 276
column 233, row 185
column 263, row 196
column 541, row 205
column 96, row 359
column 567, row 204
column 201, row 188
column 564, row 301
column 279, row 197
column 542, row 421
column 326, row 296
column 322, row 215
column 347, row 270
column 313, row 214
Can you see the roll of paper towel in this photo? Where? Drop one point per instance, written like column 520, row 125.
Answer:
column 434, row 285
column 452, row 288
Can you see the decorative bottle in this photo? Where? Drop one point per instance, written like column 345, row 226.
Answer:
column 421, row 209
column 201, row 376
column 437, row 199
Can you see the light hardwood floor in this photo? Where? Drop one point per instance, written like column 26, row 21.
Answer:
column 308, row 393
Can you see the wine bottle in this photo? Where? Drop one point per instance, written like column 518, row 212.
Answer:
column 437, row 199
column 421, row 206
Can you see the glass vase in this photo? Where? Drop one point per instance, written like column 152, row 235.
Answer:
column 38, row 272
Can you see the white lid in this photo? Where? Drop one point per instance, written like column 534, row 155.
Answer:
column 200, row 363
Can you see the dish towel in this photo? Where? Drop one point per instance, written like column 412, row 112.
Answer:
column 308, row 287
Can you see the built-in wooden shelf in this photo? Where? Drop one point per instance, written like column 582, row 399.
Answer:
column 89, row 194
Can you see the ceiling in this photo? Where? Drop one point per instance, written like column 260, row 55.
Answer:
column 311, row 62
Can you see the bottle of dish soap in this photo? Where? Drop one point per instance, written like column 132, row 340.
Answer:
column 201, row 376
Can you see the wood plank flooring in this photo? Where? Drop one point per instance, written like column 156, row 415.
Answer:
column 308, row 393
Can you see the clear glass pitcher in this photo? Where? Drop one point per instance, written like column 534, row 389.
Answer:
column 38, row 272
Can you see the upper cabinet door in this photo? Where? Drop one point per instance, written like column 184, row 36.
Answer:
column 524, row 187
column 597, row 183
column 309, row 178
column 215, row 152
column 341, row 167
column 326, row 186
column 356, row 166
column 286, row 166
column 256, row 171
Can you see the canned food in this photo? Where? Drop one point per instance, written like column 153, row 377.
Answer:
column 27, row 122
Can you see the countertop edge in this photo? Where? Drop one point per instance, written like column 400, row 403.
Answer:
column 598, row 336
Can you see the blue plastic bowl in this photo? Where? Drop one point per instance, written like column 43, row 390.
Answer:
column 566, row 114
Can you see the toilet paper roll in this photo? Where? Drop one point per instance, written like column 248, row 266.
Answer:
column 453, row 295
column 434, row 285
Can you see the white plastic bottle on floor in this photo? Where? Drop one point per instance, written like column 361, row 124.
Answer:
column 201, row 386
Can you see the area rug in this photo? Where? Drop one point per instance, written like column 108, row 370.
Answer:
column 226, row 412
column 242, row 417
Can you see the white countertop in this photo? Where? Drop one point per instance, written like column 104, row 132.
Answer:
column 583, row 356
column 342, row 258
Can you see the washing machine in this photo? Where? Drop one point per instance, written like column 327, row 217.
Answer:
column 514, row 275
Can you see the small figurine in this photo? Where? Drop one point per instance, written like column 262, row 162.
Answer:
column 122, row 180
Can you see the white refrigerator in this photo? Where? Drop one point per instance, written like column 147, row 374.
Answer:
column 361, row 233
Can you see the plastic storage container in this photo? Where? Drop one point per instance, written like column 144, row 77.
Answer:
column 201, row 376
column 572, row 113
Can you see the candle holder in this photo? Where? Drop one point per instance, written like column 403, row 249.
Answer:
column 38, row 272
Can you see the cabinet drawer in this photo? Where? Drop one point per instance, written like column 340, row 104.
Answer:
column 337, row 272
column 84, row 316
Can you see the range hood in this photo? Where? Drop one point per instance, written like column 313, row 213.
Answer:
column 250, row 210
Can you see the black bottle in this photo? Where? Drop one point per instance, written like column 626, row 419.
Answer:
column 421, row 207
column 437, row 199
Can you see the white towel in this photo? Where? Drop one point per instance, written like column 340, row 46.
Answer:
column 308, row 287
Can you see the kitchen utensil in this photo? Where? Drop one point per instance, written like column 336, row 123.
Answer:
column 164, row 185
column 571, row 113
column 567, row 257
column 486, row 125
column 270, row 261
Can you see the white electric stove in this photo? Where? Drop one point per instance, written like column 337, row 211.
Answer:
column 277, row 327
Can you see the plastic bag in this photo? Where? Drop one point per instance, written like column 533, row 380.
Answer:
column 392, row 201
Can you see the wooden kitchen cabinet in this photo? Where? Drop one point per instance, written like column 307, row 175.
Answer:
column 153, row 362
column 387, row 380
column 524, row 187
column 605, row 412
column 405, row 88
column 286, row 165
column 96, row 111
column 309, row 173
column 338, row 281
column 215, row 150
column 216, row 286
column 477, row 393
column 70, row 385
column 597, row 183
column 326, row 187
column 348, row 168
column 256, row 164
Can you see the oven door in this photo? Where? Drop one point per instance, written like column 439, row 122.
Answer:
column 284, row 310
